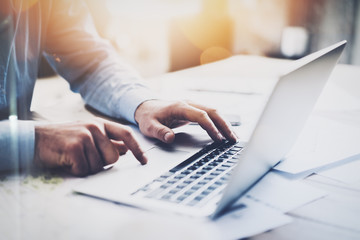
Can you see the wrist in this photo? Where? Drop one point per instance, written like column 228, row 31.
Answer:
column 141, row 110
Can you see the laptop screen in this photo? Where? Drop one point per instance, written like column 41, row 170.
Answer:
column 284, row 116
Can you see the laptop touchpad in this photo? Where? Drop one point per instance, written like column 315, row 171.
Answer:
column 165, row 158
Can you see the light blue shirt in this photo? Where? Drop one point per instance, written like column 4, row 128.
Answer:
column 63, row 32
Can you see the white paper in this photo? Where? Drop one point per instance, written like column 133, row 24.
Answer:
column 254, row 219
column 340, row 209
column 282, row 194
column 323, row 142
column 347, row 173
column 265, row 204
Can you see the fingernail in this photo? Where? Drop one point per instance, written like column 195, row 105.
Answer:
column 144, row 160
column 219, row 137
column 167, row 137
column 233, row 135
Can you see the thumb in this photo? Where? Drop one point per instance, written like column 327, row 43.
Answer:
column 161, row 132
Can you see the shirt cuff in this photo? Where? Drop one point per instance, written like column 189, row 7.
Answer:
column 131, row 100
column 17, row 144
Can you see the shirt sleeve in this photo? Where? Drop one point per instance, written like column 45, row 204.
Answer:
column 17, row 143
column 90, row 64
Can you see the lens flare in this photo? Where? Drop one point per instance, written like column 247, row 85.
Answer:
column 213, row 54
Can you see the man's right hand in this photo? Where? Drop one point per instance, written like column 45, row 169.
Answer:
column 84, row 148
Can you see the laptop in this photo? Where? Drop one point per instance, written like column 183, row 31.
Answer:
column 206, row 183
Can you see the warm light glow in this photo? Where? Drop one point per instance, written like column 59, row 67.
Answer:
column 213, row 54
column 23, row 5
column 206, row 36
column 206, row 31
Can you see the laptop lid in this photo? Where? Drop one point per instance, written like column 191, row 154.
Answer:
column 289, row 106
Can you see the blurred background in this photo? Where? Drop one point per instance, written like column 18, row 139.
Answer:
column 159, row 36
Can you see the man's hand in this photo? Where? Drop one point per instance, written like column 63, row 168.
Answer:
column 157, row 117
column 84, row 148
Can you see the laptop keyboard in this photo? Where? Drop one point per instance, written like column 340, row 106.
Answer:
column 198, row 178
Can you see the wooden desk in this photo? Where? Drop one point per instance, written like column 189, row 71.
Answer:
column 45, row 208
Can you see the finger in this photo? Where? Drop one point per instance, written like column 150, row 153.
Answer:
column 222, row 125
column 118, row 132
column 120, row 146
column 95, row 161
column 106, row 148
column 178, row 123
column 157, row 130
column 76, row 163
column 193, row 114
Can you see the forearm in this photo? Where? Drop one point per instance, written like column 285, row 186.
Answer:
column 91, row 65
column 116, row 93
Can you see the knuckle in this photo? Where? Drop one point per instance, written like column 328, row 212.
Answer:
column 203, row 114
column 97, row 168
column 175, row 105
column 180, row 104
column 74, row 145
column 213, row 111
column 79, row 168
column 150, row 127
column 113, row 158
column 80, row 171
column 92, row 126
column 84, row 135
column 127, row 132
column 160, row 131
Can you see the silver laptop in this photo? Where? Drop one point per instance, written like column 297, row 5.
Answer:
column 209, row 181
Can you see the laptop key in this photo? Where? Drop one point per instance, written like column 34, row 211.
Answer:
column 214, row 164
column 202, row 182
column 215, row 173
column 196, row 176
column 208, row 168
column 205, row 192
column 192, row 203
column 209, row 178
column 189, row 192
column 174, row 191
column 181, row 198
column 199, row 198
column 155, row 193
column 186, row 172
column 166, row 196
column 165, row 185
column 212, row 187
column 181, row 186
column 188, row 181
column 180, row 176
column 196, row 187
column 171, row 181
